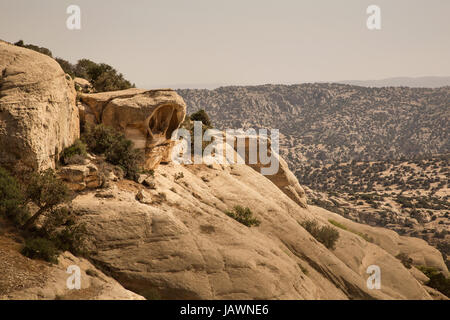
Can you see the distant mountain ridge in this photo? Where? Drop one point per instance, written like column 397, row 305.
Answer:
column 329, row 122
column 412, row 82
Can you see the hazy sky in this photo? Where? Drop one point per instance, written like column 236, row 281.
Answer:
column 197, row 43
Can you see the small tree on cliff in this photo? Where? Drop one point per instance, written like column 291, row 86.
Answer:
column 202, row 116
column 46, row 191
column 11, row 198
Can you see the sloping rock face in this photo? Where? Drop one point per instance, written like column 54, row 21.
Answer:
column 38, row 114
column 173, row 241
column 146, row 117
column 27, row 279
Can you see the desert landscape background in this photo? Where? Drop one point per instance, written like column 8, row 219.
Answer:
column 87, row 180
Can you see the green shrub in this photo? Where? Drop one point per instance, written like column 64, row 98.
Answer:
column 40, row 248
column 440, row 283
column 405, row 260
column 42, row 50
column 102, row 76
column 202, row 116
column 437, row 280
column 123, row 154
column 72, row 238
column 11, row 198
column 244, row 216
column 99, row 138
column 79, row 148
column 326, row 235
column 46, row 191
column 343, row 227
column 117, row 149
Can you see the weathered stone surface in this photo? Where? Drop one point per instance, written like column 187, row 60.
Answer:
column 185, row 247
column 80, row 177
column 146, row 117
column 38, row 115
column 83, row 85
column 26, row 279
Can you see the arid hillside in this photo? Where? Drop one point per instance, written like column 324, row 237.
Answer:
column 103, row 196
column 326, row 123
column 374, row 155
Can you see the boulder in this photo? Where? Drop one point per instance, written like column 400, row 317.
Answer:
column 27, row 279
column 38, row 114
column 80, row 177
column 146, row 117
column 83, row 85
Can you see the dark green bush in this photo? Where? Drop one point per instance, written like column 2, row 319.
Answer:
column 326, row 235
column 40, row 248
column 99, row 138
column 202, row 116
column 71, row 238
column 440, row 283
column 46, row 191
column 117, row 149
column 11, row 198
column 102, row 76
column 437, row 280
column 42, row 50
column 405, row 260
column 79, row 148
column 244, row 216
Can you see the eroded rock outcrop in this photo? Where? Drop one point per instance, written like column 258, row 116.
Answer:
column 174, row 241
column 146, row 117
column 38, row 114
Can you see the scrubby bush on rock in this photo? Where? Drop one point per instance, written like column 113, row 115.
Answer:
column 437, row 280
column 40, row 248
column 117, row 149
column 79, row 148
column 202, row 116
column 326, row 235
column 46, row 191
column 244, row 216
column 11, row 198
column 405, row 260
column 102, row 76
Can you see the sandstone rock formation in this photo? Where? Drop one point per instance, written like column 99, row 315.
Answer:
column 80, row 177
column 174, row 241
column 23, row 278
column 38, row 115
column 146, row 117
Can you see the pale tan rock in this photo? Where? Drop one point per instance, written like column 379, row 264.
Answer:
column 98, row 101
column 146, row 117
column 80, row 177
column 185, row 247
column 143, row 197
column 417, row 249
column 83, row 85
column 38, row 117
column 74, row 173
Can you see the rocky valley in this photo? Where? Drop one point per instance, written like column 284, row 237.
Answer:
column 374, row 155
